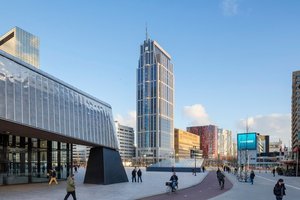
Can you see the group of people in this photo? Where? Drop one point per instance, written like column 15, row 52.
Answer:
column 138, row 173
column 70, row 183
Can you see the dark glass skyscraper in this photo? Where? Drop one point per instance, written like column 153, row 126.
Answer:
column 155, row 97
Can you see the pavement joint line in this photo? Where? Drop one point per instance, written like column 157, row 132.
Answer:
column 276, row 181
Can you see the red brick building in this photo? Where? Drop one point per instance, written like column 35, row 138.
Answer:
column 208, row 139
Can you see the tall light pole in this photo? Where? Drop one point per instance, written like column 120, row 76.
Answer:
column 246, row 152
column 195, row 158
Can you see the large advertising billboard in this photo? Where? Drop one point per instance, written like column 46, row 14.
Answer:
column 246, row 141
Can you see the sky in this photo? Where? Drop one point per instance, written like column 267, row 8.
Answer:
column 233, row 59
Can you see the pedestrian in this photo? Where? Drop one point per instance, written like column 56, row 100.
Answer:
column 173, row 169
column 70, row 187
column 252, row 175
column 75, row 169
column 279, row 189
column 273, row 171
column 139, row 173
column 174, row 181
column 53, row 177
column 133, row 175
column 203, row 169
column 221, row 179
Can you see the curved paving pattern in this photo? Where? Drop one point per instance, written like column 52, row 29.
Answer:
column 207, row 189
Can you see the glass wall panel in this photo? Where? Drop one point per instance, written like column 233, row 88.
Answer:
column 39, row 101
column 32, row 91
column 10, row 97
column 45, row 103
column 25, row 96
column 2, row 91
column 33, row 98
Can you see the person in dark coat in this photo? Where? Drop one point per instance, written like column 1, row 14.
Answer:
column 279, row 189
column 174, row 181
column 133, row 175
column 139, row 173
column 252, row 175
column 221, row 179
column 273, row 171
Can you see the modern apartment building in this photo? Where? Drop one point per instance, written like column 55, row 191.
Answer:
column 186, row 144
column 22, row 45
column 125, row 136
column 296, row 119
column 225, row 146
column 208, row 139
column 155, row 103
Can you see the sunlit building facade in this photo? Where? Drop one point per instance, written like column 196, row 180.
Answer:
column 225, row 146
column 155, row 103
column 125, row 136
column 22, row 45
column 208, row 139
column 185, row 144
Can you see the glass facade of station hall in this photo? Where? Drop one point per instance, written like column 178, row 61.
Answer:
column 63, row 115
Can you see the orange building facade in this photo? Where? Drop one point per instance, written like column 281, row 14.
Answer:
column 185, row 143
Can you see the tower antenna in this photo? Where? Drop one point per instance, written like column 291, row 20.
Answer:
column 147, row 31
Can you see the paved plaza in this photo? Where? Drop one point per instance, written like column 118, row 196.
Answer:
column 262, row 189
column 153, row 184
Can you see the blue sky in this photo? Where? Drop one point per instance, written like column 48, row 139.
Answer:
column 233, row 59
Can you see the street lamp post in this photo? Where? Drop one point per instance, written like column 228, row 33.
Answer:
column 195, row 158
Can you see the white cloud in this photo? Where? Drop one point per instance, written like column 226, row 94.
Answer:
column 196, row 115
column 278, row 126
column 229, row 7
column 128, row 120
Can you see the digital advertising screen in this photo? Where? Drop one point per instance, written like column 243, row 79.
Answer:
column 246, row 141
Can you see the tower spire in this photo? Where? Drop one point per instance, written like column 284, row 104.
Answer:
column 147, row 31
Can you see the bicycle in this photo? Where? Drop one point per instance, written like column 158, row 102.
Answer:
column 170, row 188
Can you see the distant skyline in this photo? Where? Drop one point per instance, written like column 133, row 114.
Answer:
column 233, row 59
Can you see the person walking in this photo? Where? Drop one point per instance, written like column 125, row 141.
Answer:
column 70, row 187
column 53, row 177
column 273, row 171
column 252, row 175
column 279, row 189
column 221, row 179
column 139, row 173
column 133, row 175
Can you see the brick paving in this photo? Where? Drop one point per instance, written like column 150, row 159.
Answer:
column 207, row 189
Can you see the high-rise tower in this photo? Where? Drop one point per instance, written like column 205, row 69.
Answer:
column 155, row 97
column 22, row 45
column 296, row 117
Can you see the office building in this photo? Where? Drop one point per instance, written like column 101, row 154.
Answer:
column 225, row 146
column 296, row 115
column 22, row 45
column 125, row 136
column 81, row 154
column 208, row 139
column 155, row 103
column 186, row 144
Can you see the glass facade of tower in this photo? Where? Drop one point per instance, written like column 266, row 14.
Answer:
column 40, row 118
column 22, row 45
column 155, row 97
